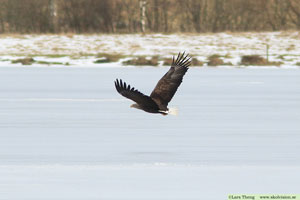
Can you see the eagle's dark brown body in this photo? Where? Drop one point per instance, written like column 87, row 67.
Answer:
column 164, row 91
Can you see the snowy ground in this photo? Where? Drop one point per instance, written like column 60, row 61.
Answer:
column 67, row 134
column 81, row 50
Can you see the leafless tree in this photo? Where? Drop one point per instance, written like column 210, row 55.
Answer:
column 295, row 12
column 143, row 4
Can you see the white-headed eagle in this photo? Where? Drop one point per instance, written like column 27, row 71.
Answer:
column 165, row 89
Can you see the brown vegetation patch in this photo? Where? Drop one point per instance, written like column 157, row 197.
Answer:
column 253, row 60
column 257, row 60
column 30, row 61
column 292, row 47
column 140, row 61
column 24, row 61
column 167, row 62
column 196, row 62
column 281, row 57
column 215, row 60
column 108, row 57
column 99, row 61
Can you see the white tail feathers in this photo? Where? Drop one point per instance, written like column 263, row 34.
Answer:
column 173, row 111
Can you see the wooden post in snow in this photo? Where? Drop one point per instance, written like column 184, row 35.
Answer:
column 143, row 4
column 267, row 52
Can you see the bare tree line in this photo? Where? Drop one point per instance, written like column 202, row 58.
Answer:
column 126, row 16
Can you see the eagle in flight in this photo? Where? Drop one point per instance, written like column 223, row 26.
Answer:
column 163, row 92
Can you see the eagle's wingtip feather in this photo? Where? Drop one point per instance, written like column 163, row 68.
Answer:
column 183, row 60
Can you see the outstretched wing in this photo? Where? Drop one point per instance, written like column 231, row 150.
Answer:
column 168, row 84
column 133, row 94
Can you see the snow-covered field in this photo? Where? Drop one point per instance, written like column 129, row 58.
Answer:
column 82, row 50
column 67, row 134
